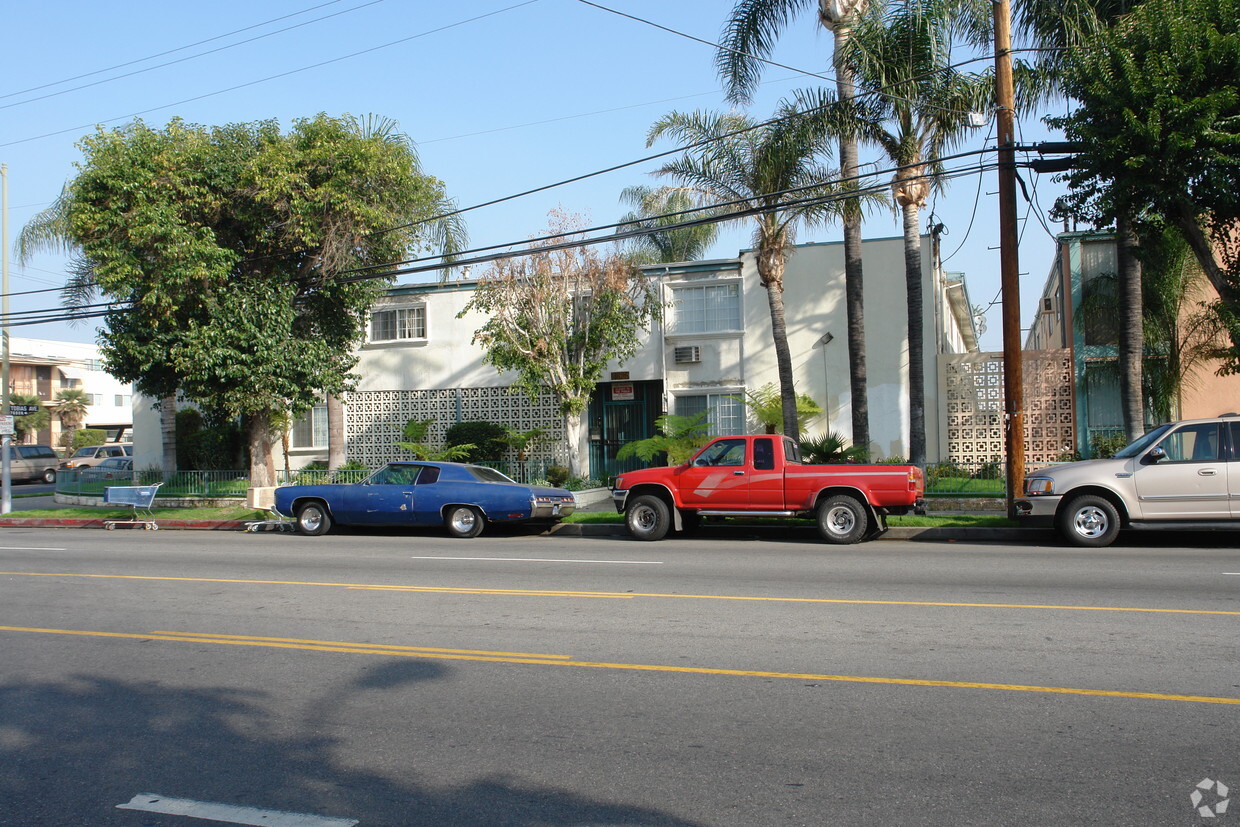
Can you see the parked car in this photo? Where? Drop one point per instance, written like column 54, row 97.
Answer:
column 1182, row 475
column 115, row 468
column 33, row 462
column 462, row 498
column 92, row 455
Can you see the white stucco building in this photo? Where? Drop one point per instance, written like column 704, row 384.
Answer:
column 44, row 367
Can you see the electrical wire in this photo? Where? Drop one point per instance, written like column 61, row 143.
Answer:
column 187, row 58
column 270, row 77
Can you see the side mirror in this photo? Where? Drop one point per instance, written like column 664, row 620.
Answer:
column 1156, row 454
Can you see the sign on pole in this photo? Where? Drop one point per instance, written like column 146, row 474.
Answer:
column 23, row 410
column 6, row 426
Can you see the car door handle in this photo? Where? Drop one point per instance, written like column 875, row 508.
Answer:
column 738, row 473
column 1207, row 472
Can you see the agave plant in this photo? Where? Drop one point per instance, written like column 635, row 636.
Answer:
column 830, row 448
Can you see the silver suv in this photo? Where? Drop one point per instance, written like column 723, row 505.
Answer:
column 1183, row 475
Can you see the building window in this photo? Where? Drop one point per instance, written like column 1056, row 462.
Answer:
column 123, row 400
column 401, row 323
column 94, row 364
column 94, row 399
column 310, row 431
column 711, row 308
column 727, row 414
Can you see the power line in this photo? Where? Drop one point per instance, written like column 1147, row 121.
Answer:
column 187, row 58
column 271, row 77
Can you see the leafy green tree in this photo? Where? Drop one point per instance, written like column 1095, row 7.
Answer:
column 227, row 248
column 771, row 170
column 917, row 106
column 749, row 37
column 555, row 318
column 30, row 423
column 656, row 209
column 487, row 440
column 767, row 407
column 679, row 438
column 1158, row 123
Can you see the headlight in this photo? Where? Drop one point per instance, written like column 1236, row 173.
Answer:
column 1039, row 486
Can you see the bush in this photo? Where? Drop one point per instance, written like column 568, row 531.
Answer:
column 488, row 439
column 582, row 484
column 992, row 470
column 1106, row 446
column 206, row 447
column 86, row 437
column 558, row 475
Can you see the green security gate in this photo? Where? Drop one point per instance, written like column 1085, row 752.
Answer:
column 620, row 413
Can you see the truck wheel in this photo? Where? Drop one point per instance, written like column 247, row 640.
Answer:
column 1089, row 520
column 842, row 519
column 647, row 518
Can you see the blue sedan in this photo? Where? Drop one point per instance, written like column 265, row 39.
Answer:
column 462, row 498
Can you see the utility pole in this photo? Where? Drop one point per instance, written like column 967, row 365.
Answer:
column 6, row 440
column 1009, row 261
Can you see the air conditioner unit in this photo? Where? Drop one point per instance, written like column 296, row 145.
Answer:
column 687, row 355
column 1048, row 304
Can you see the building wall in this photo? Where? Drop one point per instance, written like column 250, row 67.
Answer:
column 69, row 364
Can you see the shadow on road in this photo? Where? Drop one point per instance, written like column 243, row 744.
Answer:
column 74, row 749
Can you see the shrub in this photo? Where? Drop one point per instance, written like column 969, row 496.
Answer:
column 582, row 483
column 1106, row 446
column 558, row 475
column 831, row 447
column 85, row 437
column 488, row 440
column 992, row 470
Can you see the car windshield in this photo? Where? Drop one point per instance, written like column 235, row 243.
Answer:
column 1143, row 442
column 484, row 474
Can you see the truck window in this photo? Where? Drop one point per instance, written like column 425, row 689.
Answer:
column 792, row 452
column 723, row 452
column 764, row 454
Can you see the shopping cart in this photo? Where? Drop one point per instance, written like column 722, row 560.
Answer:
column 140, row 497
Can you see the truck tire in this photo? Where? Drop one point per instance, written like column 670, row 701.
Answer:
column 648, row 518
column 842, row 519
column 1089, row 520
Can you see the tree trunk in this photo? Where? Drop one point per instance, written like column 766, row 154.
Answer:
column 573, row 425
column 335, row 432
column 168, row 433
column 771, row 273
column 1131, row 331
column 1218, row 273
column 260, row 437
column 854, row 293
column 916, row 355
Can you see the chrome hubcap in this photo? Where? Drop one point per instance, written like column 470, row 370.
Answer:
column 311, row 519
column 840, row 521
column 463, row 520
column 1091, row 522
column 643, row 518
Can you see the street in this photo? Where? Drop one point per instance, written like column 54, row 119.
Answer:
column 387, row 678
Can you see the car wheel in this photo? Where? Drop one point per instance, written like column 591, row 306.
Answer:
column 1089, row 520
column 313, row 519
column 464, row 521
column 49, row 476
column 647, row 518
column 842, row 519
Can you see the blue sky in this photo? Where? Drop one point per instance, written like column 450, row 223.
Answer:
column 500, row 96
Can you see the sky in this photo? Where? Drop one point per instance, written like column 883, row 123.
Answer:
column 499, row 97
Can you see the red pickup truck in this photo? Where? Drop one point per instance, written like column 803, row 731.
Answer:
column 762, row 476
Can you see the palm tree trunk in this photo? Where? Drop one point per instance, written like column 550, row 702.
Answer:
column 1131, row 332
column 854, row 292
column 916, row 355
column 168, row 433
column 771, row 274
column 335, row 432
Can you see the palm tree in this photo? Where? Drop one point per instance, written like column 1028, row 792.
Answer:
column 915, row 107
column 749, row 36
column 662, row 207
column 770, row 171
column 73, row 405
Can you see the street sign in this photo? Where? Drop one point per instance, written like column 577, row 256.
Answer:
column 23, row 410
column 6, row 426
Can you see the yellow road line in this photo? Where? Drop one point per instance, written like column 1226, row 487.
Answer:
column 382, row 647
column 550, row 660
column 628, row 595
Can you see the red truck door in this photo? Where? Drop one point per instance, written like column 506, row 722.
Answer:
column 766, row 480
column 718, row 477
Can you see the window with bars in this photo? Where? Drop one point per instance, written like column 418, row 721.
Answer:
column 709, row 308
column 310, row 431
column 398, row 324
column 726, row 414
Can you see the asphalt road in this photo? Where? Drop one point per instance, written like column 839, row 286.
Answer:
column 394, row 679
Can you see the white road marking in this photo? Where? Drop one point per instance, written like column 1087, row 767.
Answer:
column 229, row 813
column 31, row 548
column 549, row 560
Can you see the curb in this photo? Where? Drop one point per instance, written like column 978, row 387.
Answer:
column 904, row 533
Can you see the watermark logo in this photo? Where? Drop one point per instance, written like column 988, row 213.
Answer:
column 1210, row 798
